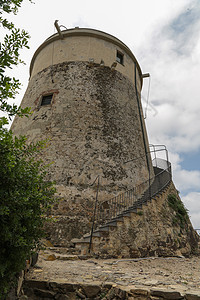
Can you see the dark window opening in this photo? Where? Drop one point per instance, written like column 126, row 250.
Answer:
column 46, row 100
column 120, row 58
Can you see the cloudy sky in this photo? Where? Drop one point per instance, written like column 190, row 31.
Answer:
column 164, row 35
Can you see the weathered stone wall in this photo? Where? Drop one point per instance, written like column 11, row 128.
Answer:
column 93, row 124
column 155, row 230
column 92, row 127
column 63, row 291
column 81, row 44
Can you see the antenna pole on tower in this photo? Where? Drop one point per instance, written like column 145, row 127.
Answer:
column 58, row 29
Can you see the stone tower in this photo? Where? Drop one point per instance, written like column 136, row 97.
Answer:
column 84, row 92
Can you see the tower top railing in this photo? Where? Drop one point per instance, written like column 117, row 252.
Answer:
column 154, row 150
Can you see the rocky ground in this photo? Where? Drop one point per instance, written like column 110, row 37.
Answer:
column 168, row 274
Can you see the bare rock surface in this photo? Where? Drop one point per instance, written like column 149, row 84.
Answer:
column 163, row 278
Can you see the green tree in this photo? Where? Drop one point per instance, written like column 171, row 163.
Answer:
column 14, row 40
column 25, row 195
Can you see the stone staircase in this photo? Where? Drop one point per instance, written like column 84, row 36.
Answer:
column 110, row 225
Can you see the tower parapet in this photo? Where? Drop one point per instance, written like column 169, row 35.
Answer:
column 89, row 45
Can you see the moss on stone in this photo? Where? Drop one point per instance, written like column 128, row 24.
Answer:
column 181, row 217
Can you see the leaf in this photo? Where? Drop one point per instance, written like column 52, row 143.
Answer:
column 25, row 195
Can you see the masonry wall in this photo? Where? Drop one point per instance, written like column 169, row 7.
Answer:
column 155, row 230
column 93, row 128
column 80, row 44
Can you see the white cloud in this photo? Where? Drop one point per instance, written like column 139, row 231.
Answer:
column 185, row 180
column 174, row 67
column 188, row 183
column 192, row 202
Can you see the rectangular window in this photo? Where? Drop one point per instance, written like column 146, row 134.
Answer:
column 120, row 57
column 46, row 99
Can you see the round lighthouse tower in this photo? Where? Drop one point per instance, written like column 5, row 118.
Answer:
column 84, row 92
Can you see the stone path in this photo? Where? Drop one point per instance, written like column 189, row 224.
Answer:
column 170, row 274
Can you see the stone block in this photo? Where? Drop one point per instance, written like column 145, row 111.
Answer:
column 62, row 297
column 80, row 295
column 192, row 297
column 140, row 292
column 67, row 287
column 44, row 294
column 170, row 295
column 50, row 257
column 35, row 284
column 91, row 291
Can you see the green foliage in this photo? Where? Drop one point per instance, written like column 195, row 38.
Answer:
column 177, row 205
column 14, row 40
column 140, row 213
column 25, row 197
column 10, row 5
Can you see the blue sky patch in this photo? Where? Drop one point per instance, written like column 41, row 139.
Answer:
column 190, row 161
column 182, row 29
column 184, row 20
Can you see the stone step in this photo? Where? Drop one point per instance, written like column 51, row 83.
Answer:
column 133, row 211
column 123, row 215
column 99, row 232
column 118, row 219
column 95, row 233
column 104, row 229
column 80, row 241
column 52, row 254
column 62, row 250
column 126, row 214
column 111, row 224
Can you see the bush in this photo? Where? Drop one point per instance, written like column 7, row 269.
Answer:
column 25, row 196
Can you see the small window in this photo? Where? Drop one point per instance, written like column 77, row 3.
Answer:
column 120, row 58
column 46, row 100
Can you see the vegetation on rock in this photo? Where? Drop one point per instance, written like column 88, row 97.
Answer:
column 177, row 205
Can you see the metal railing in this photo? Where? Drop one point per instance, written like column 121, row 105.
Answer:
column 132, row 198
column 95, row 208
column 154, row 149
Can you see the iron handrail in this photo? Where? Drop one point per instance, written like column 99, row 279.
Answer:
column 95, row 209
column 161, row 148
column 110, row 209
column 149, row 152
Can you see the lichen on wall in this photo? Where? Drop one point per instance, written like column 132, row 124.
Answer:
column 92, row 128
